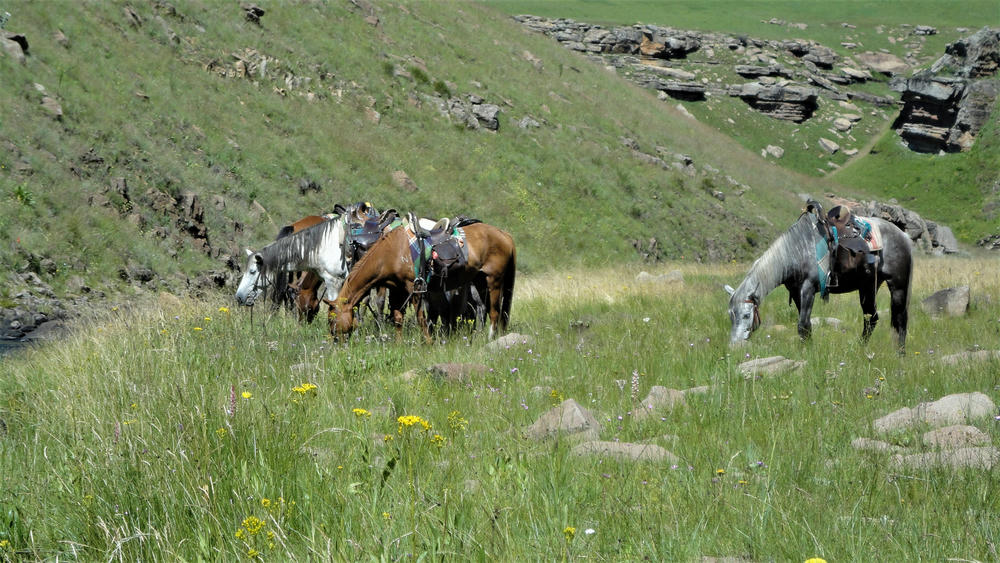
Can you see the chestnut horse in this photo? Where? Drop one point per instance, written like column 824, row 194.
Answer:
column 490, row 267
column 301, row 292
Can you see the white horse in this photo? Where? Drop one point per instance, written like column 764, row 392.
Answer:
column 319, row 248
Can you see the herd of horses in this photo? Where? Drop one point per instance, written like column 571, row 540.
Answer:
column 357, row 257
column 455, row 270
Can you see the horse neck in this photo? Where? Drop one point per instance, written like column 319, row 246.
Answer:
column 370, row 270
column 306, row 248
column 779, row 263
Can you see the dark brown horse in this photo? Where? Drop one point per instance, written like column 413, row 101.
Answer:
column 490, row 266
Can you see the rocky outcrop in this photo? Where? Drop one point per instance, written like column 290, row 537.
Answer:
column 946, row 105
column 787, row 101
column 925, row 234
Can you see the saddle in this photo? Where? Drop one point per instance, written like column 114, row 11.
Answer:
column 361, row 236
column 850, row 241
column 440, row 249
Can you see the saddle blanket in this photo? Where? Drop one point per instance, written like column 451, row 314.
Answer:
column 418, row 260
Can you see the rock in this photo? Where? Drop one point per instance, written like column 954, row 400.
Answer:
column 984, row 458
column 487, row 115
column 958, row 408
column 841, row 124
column 851, row 152
column 15, row 49
column 952, row 302
column 788, row 102
column 924, row 30
column 965, row 358
column 877, row 446
column 659, row 398
column 528, row 122
column 52, row 107
column 403, row 181
column 456, row 372
column 957, row 436
column 625, row 451
column 856, row 74
column 252, row 13
column 772, row 365
column 566, row 418
column 828, row 145
column 509, row 340
column 675, row 73
column 775, row 151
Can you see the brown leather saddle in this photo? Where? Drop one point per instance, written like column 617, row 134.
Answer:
column 441, row 249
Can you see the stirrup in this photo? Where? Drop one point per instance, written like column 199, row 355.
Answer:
column 420, row 285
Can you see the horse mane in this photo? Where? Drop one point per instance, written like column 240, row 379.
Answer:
column 362, row 263
column 293, row 247
column 770, row 269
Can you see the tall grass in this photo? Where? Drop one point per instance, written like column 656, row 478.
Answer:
column 188, row 430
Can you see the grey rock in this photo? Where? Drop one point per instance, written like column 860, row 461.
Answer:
column 456, row 372
column 828, row 145
column 659, row 399
column 964, row 358
column 510, row 340
column 673, row 276
column 957, row 436
column 566, row 418
column 772, row 365
column 877, row 446
column 952, row 302
column 958, row 408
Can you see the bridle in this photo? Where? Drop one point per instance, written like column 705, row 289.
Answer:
column 756, row 314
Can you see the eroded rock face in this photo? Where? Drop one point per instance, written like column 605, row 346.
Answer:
column 791, row 102
column 946, row 106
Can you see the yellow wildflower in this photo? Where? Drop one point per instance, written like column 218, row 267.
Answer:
column 253, row 524
column 411, row 420
column 240, row 534
column 456, row 422
column 221, row 432
column 569, row 532
column 197, row 329
column 252, row 552
column 223, row 309
column 816, row 560
column 208, row 319
column 265, row 502
column 438, row 440
column 386, row 516
column 720, row 471
column 247, row 394
column 360, row 412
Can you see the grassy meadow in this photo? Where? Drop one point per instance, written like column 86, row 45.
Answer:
column 178, row 430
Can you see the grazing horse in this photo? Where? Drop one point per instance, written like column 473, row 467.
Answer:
column 490, row 266
column 303, row 289
column 318, row 248
column 803, row 261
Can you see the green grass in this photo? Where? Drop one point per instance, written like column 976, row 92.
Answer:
column 123, row 441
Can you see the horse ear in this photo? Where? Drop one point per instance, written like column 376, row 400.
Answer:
column 249, row 252
column 729, row 289
column 339, row 209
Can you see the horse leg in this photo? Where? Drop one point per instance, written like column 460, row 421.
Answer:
column 870, row 311
column 494, row 289
column 900, row 315
column 397, row 301
column 806, row 296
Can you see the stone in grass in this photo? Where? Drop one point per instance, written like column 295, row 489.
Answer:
column 952, row 409
column 565, row 418
column 957, row 436
column 877, row 446
column 659, row 398
column 772, row 365
column 509, row 340
column 984, row 458
column 624, row 450
column 967, row 357
column 674, row 276
column 952, row 302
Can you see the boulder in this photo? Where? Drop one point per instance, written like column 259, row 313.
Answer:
column 875, row 446
column 828, row 145
column 882, row 62
column 772, row 365
column 958, row 408
column 952, row 302
column 509, row 340
column 789, row 102
column 456, row 372
column 566, row 418
column 965, row 358
column 659, row 399
column 957, row 436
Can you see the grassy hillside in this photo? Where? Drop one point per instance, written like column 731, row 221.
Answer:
column 148, row 103
column 956, row 189
column 180, row 431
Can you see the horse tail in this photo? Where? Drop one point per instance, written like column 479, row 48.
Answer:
column 507, row 296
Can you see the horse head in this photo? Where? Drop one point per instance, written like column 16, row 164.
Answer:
column 341, row 318
column 251, row 286
column 744, row 313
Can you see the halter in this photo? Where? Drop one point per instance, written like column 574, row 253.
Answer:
column 756, row 314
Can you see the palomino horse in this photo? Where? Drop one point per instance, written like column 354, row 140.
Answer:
column 800, row 260
column 318, row 248
column 490, row 266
